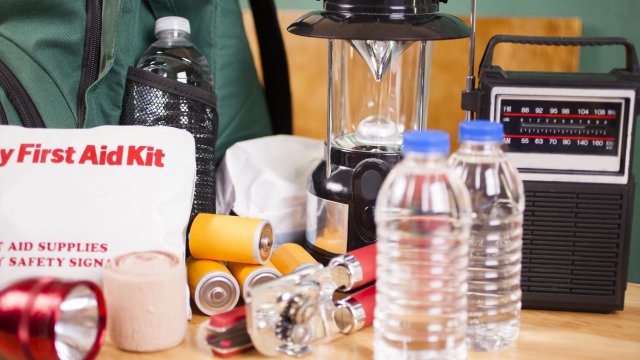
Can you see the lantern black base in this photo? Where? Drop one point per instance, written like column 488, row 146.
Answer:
column 322, row 256
column 356, row 176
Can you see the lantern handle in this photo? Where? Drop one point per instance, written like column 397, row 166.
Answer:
column 327, row 154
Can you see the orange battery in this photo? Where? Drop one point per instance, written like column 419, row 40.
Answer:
column 231, row 238
column 249, row 275
column 213, row 287
column 291, row 257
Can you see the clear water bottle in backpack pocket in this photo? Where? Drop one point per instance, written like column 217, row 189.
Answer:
column 174, row 56
column 171, row 86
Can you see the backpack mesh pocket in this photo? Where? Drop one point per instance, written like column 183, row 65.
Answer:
column 153, row 100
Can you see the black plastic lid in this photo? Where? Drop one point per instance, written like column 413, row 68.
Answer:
column 401, row 7
column 380, row 20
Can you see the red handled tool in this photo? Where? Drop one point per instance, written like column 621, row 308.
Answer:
column 356, row 311
column 354, row 269
column 227, row 333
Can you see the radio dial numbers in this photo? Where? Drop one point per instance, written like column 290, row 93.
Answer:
column 550, row 126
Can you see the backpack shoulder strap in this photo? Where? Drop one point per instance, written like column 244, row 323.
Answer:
column 275, row 70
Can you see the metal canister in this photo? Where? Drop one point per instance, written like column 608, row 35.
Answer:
column 213, row 287
column 291, row 257
column 249, row 275
column 231, row 238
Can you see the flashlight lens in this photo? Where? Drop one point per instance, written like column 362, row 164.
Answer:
column 76, row 330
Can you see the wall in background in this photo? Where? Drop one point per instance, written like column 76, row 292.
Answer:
column 600, row 18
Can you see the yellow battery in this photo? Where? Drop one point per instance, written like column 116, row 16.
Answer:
column 231, row 238
column 249, row 275
column 213, row 287
column 291, row 257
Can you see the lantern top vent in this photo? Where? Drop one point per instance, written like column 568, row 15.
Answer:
column 380, row 20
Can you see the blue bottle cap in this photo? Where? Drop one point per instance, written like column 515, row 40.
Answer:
column 481, row 130
column 426, row 142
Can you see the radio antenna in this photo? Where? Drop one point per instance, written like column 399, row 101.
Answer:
column 472, row 49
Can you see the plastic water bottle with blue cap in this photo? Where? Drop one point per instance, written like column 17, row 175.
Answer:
column 423, row 217
column 495, row 246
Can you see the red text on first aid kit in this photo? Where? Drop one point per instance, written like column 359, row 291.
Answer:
column 131, row 155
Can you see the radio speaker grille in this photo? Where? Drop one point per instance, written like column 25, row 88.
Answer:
column 575, row 245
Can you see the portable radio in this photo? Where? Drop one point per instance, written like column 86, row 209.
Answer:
column 571, row 137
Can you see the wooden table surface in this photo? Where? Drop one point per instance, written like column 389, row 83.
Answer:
column 544, row 335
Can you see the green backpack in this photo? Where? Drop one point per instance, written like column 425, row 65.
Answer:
column 64, row 63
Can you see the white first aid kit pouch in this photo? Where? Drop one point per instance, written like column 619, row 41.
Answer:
column 72, row 199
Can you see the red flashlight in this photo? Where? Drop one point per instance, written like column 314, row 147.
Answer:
column 47, row 318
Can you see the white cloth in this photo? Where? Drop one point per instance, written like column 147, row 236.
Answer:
column 267, row 178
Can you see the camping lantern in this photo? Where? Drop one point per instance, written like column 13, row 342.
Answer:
column 379, row 66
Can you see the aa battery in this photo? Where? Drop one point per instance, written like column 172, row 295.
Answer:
column 291, row 257
column 249, row 275
column 213, row 287
column 231, row 238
